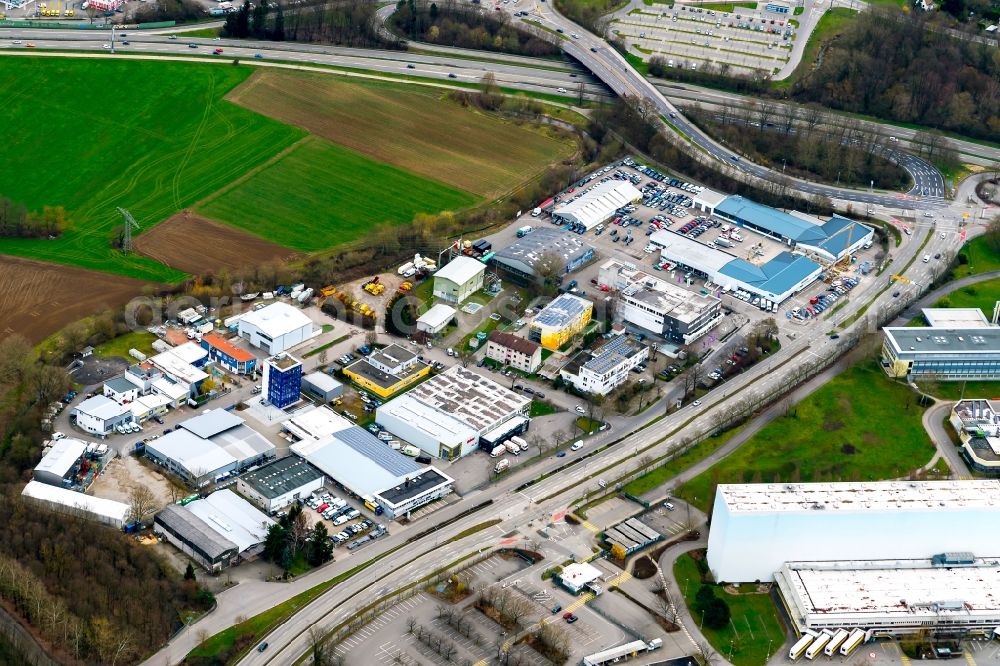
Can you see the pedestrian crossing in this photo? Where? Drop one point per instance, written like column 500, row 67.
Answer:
column 579, row 602
column 591, row 526
column 620, row 578
column 969, row 658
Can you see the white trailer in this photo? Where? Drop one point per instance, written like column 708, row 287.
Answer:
column 838, row 639
column 800, row 646
column 817, row 645
column 513, row 448
column 856, row 638
column 305, row 295
column 408, row 266
column 498, row 451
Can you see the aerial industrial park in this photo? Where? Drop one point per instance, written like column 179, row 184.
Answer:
column 500, row 332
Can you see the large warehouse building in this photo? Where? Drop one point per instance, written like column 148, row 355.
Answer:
column 776, row 280
column 276, row 328
column 659, row 307
column 942, row 353
column 218, row 531
column 449, row 415
column 830, row 240
column 950, row 594
column 519, row 262
column 756, row 528
column 57, row 466
column 209, row 447
column 598, row 204
column 458, row 279
column 365, row 466
column 106, row 511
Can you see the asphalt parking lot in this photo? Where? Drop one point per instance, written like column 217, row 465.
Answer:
column 690, row 37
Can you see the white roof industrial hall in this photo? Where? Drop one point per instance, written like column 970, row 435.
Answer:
column 277, row 319
column 460, row 270
column 598, row 203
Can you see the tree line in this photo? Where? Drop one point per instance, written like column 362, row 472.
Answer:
column 468, row 27
column 168, row 10
column 16, row 221
column 848, row 155
column 348, row 23
column 890, row 65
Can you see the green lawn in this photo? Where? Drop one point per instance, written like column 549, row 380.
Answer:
column 321, row 194
column 539, row 408
column 660, row 475
column 979, row 258
column 141, row 340
column 959, row 390
column 860, row 408
column 92, row 135
column 754, row 628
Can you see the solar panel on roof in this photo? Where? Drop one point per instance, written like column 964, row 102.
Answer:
column 371, row 447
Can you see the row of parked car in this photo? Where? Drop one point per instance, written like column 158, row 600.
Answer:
column 820, row 302
column 660, row 178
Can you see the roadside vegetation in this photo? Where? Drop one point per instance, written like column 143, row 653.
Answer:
column 349, row 23
column 466, row 26
column 658, row 476
column 740, row 622
column 810, row 152
column 588, row 13
column 829, row 436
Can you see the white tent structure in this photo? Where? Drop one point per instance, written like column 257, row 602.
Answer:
column 598, row 204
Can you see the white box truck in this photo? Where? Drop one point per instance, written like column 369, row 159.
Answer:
column 498, row 451
column 521, row 444
column 501, row 466
column 513, row 448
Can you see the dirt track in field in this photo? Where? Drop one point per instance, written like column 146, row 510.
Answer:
column 196, row 244
column 37, row 298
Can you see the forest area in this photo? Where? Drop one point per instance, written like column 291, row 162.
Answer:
column 467, row 27
column 889, row 64
column 848, row 156
column 90, row 594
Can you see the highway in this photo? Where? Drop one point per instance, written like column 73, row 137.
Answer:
column 546, row 500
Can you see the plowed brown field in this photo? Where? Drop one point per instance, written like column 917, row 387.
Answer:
column 37, row 298
column 196, row 244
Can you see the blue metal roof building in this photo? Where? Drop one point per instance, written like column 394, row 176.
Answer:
column 833, row 239
column 784, row 274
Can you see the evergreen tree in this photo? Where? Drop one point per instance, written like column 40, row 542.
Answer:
column 189, row 572
column 319, row 548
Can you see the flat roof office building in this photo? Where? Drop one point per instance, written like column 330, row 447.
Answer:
column 281, row 384
column 659, row 307
column 756, row 528
column 560, row 320
column 942, row 354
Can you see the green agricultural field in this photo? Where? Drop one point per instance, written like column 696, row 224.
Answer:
column 91, row 135
column 834, row 434
column 320, row 194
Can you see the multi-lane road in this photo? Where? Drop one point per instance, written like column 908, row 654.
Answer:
column 548, row 498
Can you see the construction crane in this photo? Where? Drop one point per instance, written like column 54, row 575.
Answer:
column 130, row 224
